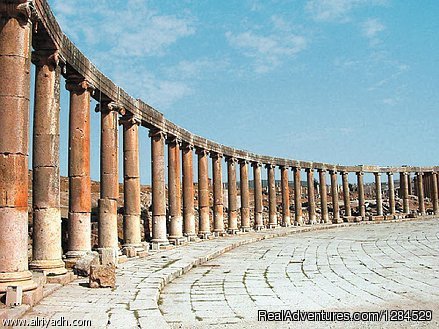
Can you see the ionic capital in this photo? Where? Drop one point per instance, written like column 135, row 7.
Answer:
column 256, row 164
column 295, row 169
column 157, row 134
column 78, row 84
column 110, row 106
column 309, row 169
column 128, row 120
column 333, row 172
column 390, row 173
column 173, row 140
column 344, row 173
column 215, row 155
column 186, row 146
column 23, row 11
column 230, row 159
column 51, row 58
column 270, row 166
column 201, row 151
column 360, row 173
column 377, row 174
column 420, row 174
column 243, row 161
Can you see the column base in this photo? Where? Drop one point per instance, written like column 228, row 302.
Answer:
column 22, row 279
column 218, row 234
column 232, row 231
column 337, row 221
column 205, row 235
column 349, row 219
column 177, row 240
column 75, row 254
column 160, row 245
column 271, row 226
column 259, row 227
column 245, row 229
column 50, row 267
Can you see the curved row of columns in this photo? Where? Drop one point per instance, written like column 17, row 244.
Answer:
column 175, row 225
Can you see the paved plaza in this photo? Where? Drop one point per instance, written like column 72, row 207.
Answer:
column 361, row 268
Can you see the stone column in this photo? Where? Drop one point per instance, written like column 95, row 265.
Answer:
column 346, row 194
column 404, row 182
column 311, row 198
column 259, row 221
column 131, row 183
column 391, row 193
column 174, row 192
column 286, row 216
column 323, row 195
column 378, row 195
column 218, row 207
column 334, row 194
column 434, row 193
column 188, row 192
column 361, row 206
column 46, row 245
column 159, row 237
column 272, row 213
column 15, row 45
column 79, row 223
column 409, row 184
column 203, row 194
column 420, row 189
column 107, row 231
column 298, row 220
column 245, row 206
column 232, row 193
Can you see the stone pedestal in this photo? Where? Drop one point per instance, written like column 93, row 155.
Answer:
column 232, row 195
column 298, row 220
column 218, row 208
column 258, row 222
column 311, row 197
column 188, row 191
column 46, row 245
column 286, row 215
column 323, row 196
column 203, row 194
column 131, row 182
column 159, row 237
column 272, row 213
column 245, row 206
column 79, row 223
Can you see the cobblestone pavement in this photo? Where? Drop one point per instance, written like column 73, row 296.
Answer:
column 360, row 268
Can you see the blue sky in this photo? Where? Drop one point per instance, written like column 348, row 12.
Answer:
column 341, row 81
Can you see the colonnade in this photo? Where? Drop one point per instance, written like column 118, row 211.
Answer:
column 173, row 207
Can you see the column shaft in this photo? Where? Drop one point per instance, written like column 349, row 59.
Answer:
column 245, row 206
column 286, row 216
column 404, row 187
column 232, row 196
column 391, row 186
column 434, row 193
column 420, row 194
column 203, row 194
column 79, row 223
column 334, row 194
column 46, row 246
column 297, row 197
column 323, row 196
column 131, row 182
column 258, row 222
column 158, row 188
column 174, row 191
column 218, row 208
column 360, row 185
column 15, row 45
column 188, row 191
column 378, row 194
column 311, row 197
column 346, row 194
column 108, row 233
column 272, row 213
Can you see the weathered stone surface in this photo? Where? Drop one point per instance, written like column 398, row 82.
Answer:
column 102, row 276
column 83, row 265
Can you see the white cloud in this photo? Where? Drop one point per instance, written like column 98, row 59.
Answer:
column 372, row 27
column 268, row 51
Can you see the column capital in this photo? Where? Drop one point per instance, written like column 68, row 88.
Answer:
column 377, row 174
column 173, row 140
column 109, row 106
column 230, row 159
column 256, row 164
column 405, row 173
column 215, row 155
column 296, row 168
column 270, row 166
column 390, row 173
column 78, row 84
column 359, row 173
column 420, row 173
column 321, row 170
column 187, row 146
column 344, row 173
column 129, row 120
column 333, row 172
column 157, row 134
column 23, row 11
column 309, row 169
column 201, row 151
column 49, row 57
column 243, row 161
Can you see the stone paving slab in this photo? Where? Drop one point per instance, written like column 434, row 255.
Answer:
column 134, row 301
column 362, row 268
